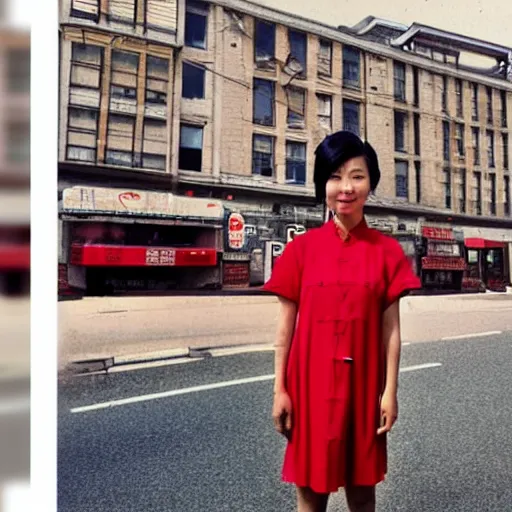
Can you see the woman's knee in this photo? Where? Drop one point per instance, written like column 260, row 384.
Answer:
column 360, row 498
column 311, row 501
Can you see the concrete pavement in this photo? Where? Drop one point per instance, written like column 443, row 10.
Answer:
column 138, row 328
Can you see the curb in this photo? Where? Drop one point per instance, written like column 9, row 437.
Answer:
column 103, row 365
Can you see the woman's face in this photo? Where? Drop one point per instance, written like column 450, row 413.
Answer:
column 348, row 187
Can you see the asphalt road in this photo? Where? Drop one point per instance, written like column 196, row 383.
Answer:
column 215, row 449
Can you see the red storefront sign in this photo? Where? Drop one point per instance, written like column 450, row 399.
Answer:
column 135, row 256
column 236, row 231
column 15, row 257
column 437, row 233
column 443, row 263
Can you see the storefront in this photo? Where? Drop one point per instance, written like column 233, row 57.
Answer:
column 117, row 240
column 485, row 265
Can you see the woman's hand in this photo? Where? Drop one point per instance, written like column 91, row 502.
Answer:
column 388, row 412
column 282, row 413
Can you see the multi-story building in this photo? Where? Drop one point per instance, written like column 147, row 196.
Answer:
column 14, row 160
column 228, row 100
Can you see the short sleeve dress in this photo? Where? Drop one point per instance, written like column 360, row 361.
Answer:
column 336, row 366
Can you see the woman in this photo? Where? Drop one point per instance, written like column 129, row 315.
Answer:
column 338, row 341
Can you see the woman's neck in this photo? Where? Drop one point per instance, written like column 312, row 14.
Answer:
column 347, row 223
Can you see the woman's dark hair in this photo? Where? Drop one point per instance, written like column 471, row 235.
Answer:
column 334, row 151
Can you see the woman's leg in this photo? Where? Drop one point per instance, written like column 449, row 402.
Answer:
column 360, row 498
column 311, row 501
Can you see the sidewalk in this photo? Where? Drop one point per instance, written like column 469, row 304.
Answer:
column 142, row 327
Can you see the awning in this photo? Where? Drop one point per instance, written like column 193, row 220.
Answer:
column 481, row 243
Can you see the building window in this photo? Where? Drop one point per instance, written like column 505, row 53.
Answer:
column 462, row 191
column 123, row 84
column 351, row 116
column 193, row 81
column 325, row 58
column 399, row 81
column 446, row 141
column 400, row 129
column 417, row 167
column 157, row 80
column 263, row 155
column 18, row 70
column 85, row 9
column 504, row 139
column 402, row 179
column 458, row 94
column 506, row 186
column 503, row 95
column 474, row 102
column 459, row 138
column 263, row 99
column 475, row 132
column 296, row 107
column 18, row 143
column 490, row 148
column 296, row 163
column 154, row 148
column 416, row 87
column 191, row 148
column 477, row 192
column 86, row 62
column 122, row 11
column 417, row 139
column 82, row 134
column 444, row 95
column 264, row 44
column 324, row 103
column 299, row 49
column 447, row 188
column 120, row 139
column 489, row 106
column 492, row 202
column 351, row 67
column 196, row 21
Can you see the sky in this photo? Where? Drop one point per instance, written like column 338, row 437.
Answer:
column 490, row 20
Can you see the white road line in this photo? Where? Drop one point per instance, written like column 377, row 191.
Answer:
column 16, row 405
column 406, row 344
column 419, row 367
column 205, row 387
column 474, row 335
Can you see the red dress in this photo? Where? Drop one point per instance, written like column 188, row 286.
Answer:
column 336, row 365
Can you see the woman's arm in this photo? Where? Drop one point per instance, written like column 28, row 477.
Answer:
column 285, row 330
column 392, row 342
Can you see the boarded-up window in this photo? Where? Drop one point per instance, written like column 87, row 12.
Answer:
column 86, row 63
column 402, row 179
column 87, row 9
column 157, row 79
column 161, row 15
column 324, row 111
column 82, row 134
column 325, row 58
column 122, row 11
column 125, row 67
column 155, row 144
column 120, row 140
column 296, row 107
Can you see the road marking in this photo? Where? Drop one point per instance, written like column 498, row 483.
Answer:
column 14, row 406
column 405, row 344
column 204, row 387
column 419, row 367
column 474, row 335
